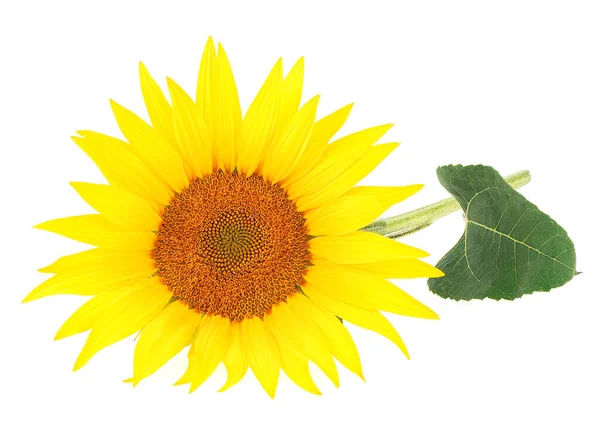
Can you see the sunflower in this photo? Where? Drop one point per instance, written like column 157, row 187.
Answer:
column 237, row 236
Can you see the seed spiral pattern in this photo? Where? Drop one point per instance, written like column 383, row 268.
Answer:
column 231, row 245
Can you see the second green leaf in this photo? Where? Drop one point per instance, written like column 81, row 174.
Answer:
column 509, row 247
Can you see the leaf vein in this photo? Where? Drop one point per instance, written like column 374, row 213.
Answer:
column 519, row 242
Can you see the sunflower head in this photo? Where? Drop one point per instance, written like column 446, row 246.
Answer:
column 236, row 235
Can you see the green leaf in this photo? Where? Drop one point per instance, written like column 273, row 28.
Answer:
column 509, row 247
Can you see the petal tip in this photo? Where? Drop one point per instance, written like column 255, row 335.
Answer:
column 60, row 335
column 183, row 380
column 431, row 315
column 436, row 273
column 77, row 186
column 30, row 297
column 82, row 359
column 116, row 107
column 40, row 225
column 170, row 82
column 221, row 50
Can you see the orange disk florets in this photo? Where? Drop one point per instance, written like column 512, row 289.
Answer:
column 232, row 246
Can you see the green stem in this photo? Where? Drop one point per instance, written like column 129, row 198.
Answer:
column 413, row 221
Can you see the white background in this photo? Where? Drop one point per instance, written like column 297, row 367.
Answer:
column 511, row 84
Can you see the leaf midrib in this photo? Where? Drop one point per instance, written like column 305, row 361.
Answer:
column 519, row 242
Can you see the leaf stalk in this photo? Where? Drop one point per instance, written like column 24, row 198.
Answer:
column 415, row 220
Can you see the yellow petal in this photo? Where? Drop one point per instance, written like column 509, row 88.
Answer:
column 159, row 109
column 189, row 371
column 100, row 259
column 356, row 172
column 163, row 338
column 296, row 368
column 206, row 76
column 74, row 261
column 235, row 359
column 125, row 317
column 368, row 319
column 262, row 351
column 340, row 341
column 363, row 289
column 385, row 194
column 98, row 276
column 342, row 216
column 122, row 168
column 154, row 150
column 259, row 123
column 336, row 158
column 304, row 336
column 361, row 247
column 86, row 317
column 401, row 269
column 96, row 230
column 122, row 208
column 292, row 94
column 192, row 135
column 226, row 118
column 286, row 148
column 82, row 283
column 323, row 130
column 354, row 210
column 210, row 348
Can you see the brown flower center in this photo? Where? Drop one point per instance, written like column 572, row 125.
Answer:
column 231, row 245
